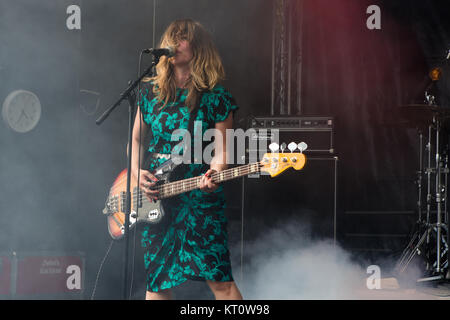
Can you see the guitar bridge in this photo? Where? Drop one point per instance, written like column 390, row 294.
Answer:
column 111, row 205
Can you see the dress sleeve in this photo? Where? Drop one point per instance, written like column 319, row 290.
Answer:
column 223, row 104
column 145, row 96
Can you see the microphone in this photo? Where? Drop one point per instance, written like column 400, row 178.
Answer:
column 158, row 52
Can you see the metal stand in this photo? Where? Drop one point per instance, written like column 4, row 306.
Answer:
column 129, row 95
column 429, row 240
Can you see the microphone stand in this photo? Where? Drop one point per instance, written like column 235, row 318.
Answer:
column 127, row 94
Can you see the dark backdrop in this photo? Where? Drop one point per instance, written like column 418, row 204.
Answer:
column 55, row 179
column 362, row 77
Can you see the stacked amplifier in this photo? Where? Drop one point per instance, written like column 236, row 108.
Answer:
column 308, row 195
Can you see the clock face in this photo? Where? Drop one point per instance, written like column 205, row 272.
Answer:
column 21, row 110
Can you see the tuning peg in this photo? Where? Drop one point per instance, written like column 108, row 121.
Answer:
column 274, row 147
column 302, row 146
column 283, row 147
column 292, row 146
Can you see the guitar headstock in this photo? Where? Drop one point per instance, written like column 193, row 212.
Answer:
column 275, row 163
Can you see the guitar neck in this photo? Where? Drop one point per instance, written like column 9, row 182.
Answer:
column 174, row 188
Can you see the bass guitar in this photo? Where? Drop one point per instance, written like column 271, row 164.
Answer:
column 152, row 212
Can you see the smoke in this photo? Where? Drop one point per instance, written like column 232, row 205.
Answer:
column 38, row 167
column 288, row 263
column 52, row 178
column 318, row 272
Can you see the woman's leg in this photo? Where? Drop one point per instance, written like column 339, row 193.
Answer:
column 225, row 290
column 160, row 295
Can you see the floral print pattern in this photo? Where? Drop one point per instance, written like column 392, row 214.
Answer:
column 194, row 242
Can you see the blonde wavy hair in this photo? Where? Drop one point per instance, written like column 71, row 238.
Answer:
column 206, row 65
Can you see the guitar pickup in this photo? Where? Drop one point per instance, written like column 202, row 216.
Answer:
column 137, row 198
column 123, row 201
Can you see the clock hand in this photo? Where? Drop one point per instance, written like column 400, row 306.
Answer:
column 25, row 114
column 21, row 116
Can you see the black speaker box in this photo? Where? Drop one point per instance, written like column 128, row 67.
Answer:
column 307, row 196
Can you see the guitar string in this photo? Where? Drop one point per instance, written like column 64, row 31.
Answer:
column 123, row 179
column 193, row 182
column 247, row 170
column 189, row 181
column 175, row 187
column 178, row 187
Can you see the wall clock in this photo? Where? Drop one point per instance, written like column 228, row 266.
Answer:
column 21, row 110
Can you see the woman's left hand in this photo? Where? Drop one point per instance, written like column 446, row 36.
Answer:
column 206, row 183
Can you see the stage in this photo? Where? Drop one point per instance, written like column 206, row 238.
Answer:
column 335, row 185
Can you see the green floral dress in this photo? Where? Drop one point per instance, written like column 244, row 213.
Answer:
column 194, row 244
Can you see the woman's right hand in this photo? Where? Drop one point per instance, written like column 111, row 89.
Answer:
column 146, row 182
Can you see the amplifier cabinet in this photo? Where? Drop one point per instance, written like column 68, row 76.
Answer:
column 316, row 132
column 308, row 196
column 259, row 204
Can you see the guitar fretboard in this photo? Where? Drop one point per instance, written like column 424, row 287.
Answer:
column 177, row 187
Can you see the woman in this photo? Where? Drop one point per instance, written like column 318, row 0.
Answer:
column 194, row 244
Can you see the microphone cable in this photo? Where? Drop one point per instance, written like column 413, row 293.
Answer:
column 100, row 269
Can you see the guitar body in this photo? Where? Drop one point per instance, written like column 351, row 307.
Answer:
column 142, row 209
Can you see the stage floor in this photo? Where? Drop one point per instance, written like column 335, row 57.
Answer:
column 391, row 291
